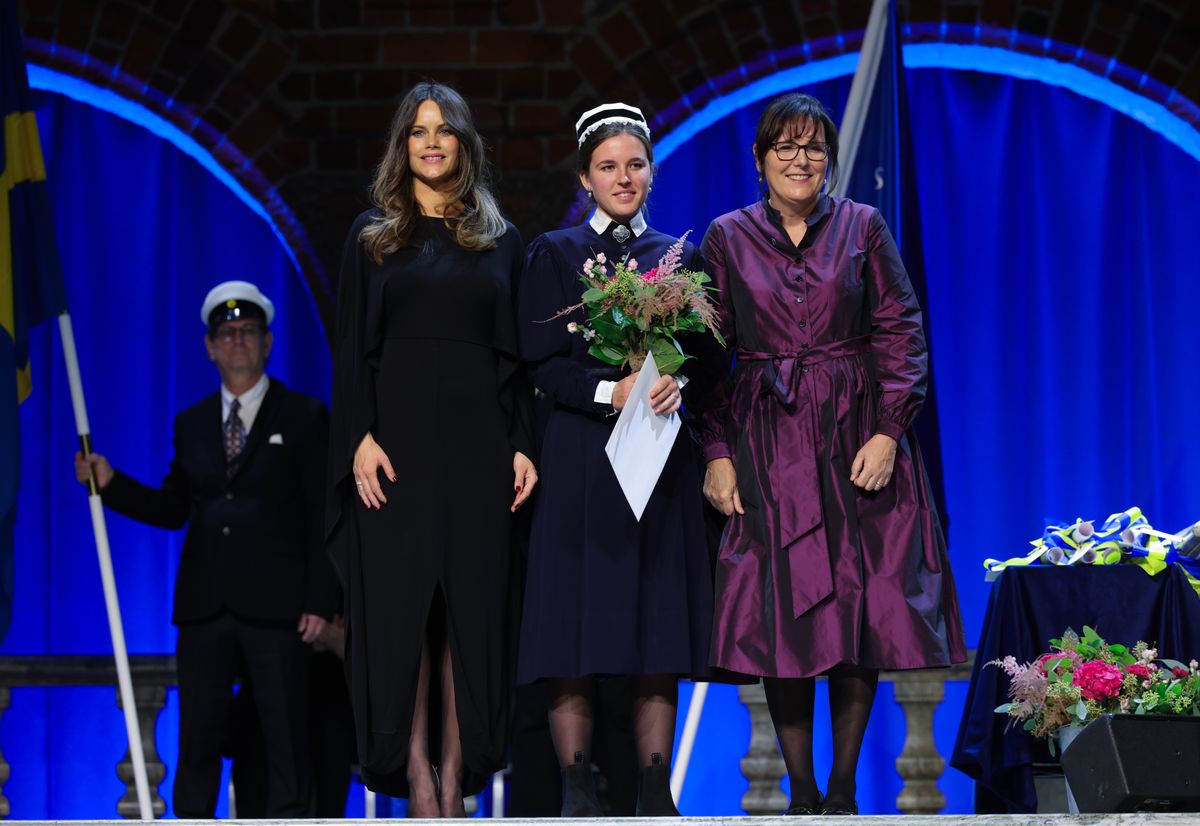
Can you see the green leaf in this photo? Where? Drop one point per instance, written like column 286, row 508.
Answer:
column 606, row 329
column 606, row 354
column 1030, row 724
column 1004, row 709
column 1081, row 710
column 592, row 294
column 1173, row 664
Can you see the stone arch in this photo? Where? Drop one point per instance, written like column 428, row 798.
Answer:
column 293, row 96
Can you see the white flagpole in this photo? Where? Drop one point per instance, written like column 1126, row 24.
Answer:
column 687, row 738
column 861, row 90
column 124, row 680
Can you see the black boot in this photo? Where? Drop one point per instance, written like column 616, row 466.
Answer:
column 579, row 790
column 654, row 790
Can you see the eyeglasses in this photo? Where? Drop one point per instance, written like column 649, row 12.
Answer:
column 228, row 335
column 787, row 150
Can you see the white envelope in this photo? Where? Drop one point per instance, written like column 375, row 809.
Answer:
column 641, row 441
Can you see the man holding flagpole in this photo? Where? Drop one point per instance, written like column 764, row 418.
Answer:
column 254, row 588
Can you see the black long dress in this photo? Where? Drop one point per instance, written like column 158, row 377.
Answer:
column 425, row 360
column 605, row 594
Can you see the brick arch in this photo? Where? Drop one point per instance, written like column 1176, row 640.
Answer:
column 293, row 96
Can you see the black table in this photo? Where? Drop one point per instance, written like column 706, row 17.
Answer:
column 1027, row 608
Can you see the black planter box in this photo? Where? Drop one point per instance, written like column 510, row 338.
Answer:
column 1135, row 763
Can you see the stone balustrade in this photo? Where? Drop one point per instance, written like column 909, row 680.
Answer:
column 918, row 692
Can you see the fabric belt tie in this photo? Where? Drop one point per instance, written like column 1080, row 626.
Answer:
column 794, row 439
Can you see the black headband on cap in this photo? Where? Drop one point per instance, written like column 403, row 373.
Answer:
column 601, row 114
column 235, row 310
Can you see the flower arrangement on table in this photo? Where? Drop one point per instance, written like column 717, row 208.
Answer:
column 1125, row 537
column 1081, row 678
column 632, row 313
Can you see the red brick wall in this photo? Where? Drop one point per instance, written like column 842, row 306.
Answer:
column 304, row 89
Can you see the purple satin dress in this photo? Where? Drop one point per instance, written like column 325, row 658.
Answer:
column 829, row 351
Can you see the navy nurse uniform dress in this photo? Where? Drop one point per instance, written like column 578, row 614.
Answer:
column 605, row 594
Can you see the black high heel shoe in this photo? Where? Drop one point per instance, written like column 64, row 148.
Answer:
column 579, row 789
column 654, row 790
column 813, row 807
column 837, row 809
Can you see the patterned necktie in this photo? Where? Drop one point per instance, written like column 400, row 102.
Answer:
column 235, row 437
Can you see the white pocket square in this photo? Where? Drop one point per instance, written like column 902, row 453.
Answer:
column 275, row 439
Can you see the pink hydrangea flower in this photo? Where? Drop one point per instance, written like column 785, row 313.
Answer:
column 650, row 274
column 1098, row 680
column 631, row 264
column 600, row 258
column 588, row 264
column 572, row 327
column 1140, row 670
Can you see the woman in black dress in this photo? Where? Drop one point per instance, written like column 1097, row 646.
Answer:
column 605, row 593
column 428, row 460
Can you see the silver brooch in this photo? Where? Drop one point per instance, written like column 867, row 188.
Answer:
column 621, row 233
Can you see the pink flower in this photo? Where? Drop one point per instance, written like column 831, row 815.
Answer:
column 588, row 264
column 1180, row 673
column 1045, row 658
column 572, row 327
column 600, row 259
column 1140, row 670
column 1098, row 680
column 650, row 274
column 631, row 264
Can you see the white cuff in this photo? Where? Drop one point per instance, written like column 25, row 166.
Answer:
column 604, row 392
column 680, row 381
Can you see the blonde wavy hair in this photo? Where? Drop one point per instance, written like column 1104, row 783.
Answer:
column 472, row 212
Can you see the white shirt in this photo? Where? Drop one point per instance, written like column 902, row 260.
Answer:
column 249, row 402
column 601, row 220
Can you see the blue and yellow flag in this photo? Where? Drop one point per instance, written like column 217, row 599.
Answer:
column 31, row 288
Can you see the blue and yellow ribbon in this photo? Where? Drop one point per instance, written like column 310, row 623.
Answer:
column 1124, row 538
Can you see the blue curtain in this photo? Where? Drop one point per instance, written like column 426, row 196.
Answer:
column 1063, row 284
column 144, row 232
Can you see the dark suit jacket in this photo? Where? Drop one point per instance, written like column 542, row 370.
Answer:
column 254, row 543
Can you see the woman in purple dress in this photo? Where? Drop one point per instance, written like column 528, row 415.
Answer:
column 607, row 594
column 833, row 561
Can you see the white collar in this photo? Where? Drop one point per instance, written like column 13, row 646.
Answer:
column 254, row 394
column 601, row 220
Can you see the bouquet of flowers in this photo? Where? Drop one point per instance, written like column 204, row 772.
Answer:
column 1081, row 678
column 632, row 313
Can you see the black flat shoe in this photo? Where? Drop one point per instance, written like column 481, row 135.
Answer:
column 840, row 810
column 805, row 807
column 654, row 790
column 579, row 789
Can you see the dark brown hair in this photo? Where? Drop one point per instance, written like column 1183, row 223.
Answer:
column 478, row 225
column 608, row 130
column 795, row 109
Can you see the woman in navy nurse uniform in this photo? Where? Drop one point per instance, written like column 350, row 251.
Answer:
column 607, row 594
